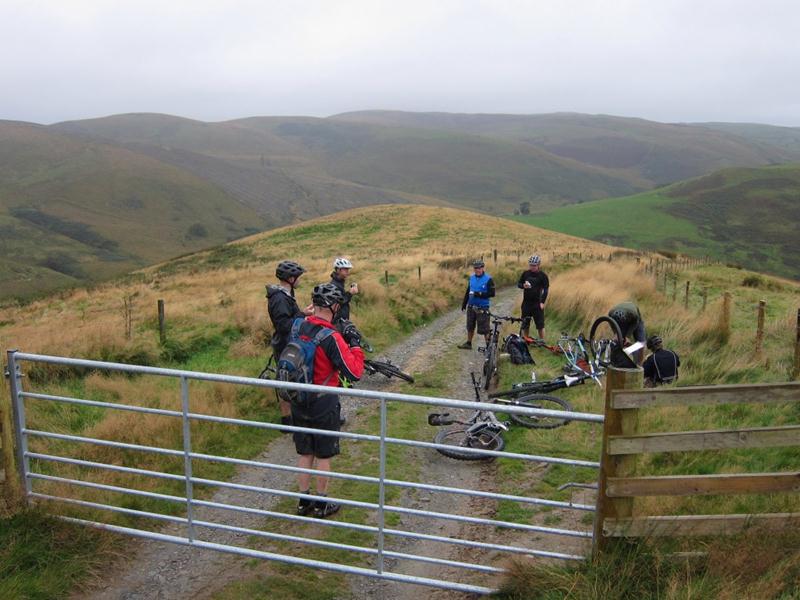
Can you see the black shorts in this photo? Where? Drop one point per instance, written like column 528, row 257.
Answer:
column 477, row 317
column 532, row 309
column 321, row 446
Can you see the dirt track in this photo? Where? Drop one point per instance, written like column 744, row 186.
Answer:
column 166, row 571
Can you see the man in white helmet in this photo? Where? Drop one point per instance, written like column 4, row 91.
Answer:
column 535, row 286
column 341, row 271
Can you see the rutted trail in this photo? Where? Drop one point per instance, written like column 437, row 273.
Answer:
column 167, row 571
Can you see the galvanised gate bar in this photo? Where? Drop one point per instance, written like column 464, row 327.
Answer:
column 191, row 537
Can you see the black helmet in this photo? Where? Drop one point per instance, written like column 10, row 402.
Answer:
column 287, row 269
column 624, row 318
column 326, row 294
column 654, row 342
column 478, row 263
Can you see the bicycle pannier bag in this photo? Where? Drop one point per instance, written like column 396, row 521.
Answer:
column 296, row 363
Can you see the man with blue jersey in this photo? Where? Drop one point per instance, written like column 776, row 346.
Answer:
column 476, row 302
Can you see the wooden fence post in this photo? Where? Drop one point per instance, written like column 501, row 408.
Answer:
column 494, row 254
column 386, row 277
column 725, row 317
column 686, row 296
column 10, row 484
column 796, row 371
column 665, row 282
column 162, row 330
column 760, row 327
column 419, row 272
column 617, row 422
column 674, row 287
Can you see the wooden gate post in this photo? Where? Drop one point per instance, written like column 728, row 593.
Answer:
column 11, row 486
column 617, row 422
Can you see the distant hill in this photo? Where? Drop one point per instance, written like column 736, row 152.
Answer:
column 645, row 153
column 787, row 138
column 73, row 211
column 744, row 216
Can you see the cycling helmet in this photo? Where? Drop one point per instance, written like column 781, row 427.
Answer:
column 287, row 269
column 478, row 263
column 534, row 260
column 342, row 263
column 624, row 318
column 326, row 294
column 654, row 342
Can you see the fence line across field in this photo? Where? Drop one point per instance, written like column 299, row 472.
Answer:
column 192, row 523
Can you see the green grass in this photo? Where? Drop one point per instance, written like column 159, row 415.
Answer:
column 744, row 216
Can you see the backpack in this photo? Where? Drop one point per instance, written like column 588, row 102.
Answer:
column 518, row 350
column 296, row 364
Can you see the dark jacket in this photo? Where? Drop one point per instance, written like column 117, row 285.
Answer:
column 662, row 366
column 344, row 308
column 283, row 310
column 540, row 285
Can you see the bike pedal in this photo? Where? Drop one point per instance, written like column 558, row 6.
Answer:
column 482, row 349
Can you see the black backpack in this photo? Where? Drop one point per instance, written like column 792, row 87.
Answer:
column 518, row 350
column 296, row 363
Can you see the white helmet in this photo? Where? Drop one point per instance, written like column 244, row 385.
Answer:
column 534, row 260
column 342, row 263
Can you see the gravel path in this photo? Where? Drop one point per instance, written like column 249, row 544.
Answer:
column 167, row 571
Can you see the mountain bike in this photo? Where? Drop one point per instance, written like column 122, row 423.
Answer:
column 481, row 431
column 491, row 352
column 386, row 368
column 608, row 351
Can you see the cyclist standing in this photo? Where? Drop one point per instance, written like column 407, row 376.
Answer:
column 631, row 324
column 341, row 271
column 480, row 288
column 283, row 310
column 662, row 365
column 535, row 285
column 338, row 355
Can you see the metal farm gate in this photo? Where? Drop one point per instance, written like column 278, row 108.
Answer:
column 31, row 465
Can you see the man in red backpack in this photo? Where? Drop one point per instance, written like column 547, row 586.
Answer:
column 337, row 355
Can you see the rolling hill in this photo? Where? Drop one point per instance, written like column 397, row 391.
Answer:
column 73, row 211
column 787, row 138
column 644, row 153
column 744, row 216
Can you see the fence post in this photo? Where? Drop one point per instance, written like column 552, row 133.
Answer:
column 494, row 254
column 760, row 327
column 686, row 296
column 705, row 298
column 665, row 282
column 725, row 317
column 162, row 331
column 419, row 272
column 674, row 287
column 20, row 438
column 12, row 490
column 796, row 371
column 386, row 277
column 617, row 422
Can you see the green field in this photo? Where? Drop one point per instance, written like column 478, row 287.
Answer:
column 738, row 216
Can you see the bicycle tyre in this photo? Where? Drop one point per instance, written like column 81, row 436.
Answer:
column 390, row 370
column 614, row 327
column 458, row 438
column 541, row 401
column 489, row 366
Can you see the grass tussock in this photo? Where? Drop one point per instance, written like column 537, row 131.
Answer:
column 752, row 565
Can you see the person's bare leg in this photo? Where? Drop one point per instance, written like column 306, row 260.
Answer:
column 323, row 464
column 305, row 461
column 285, row 408
column 541, row 333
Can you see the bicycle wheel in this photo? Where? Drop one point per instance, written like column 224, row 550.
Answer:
column 489, row 366
column 600, row 348
column 485, row 439
column 541, row 401
column 390, row 370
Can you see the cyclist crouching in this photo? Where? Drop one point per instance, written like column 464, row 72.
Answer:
column 337, row 355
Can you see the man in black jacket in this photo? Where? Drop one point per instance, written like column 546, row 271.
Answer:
column 341, row 271
column 662, row 365
column 283, row 310
column 535, row 285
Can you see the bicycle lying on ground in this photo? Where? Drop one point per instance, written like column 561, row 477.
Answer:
column 386, row 368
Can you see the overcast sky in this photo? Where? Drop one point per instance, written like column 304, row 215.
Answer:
column 666, row 60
